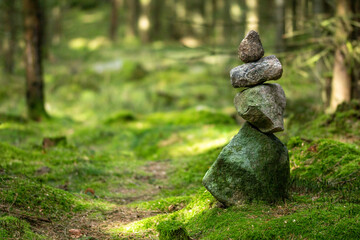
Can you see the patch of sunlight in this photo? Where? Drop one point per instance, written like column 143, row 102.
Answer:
column 235, row 11
column 144, row 23
column 113, row 65
column 78, row 43
column 190, row 42
column 184, row 215
column 48, row 107
column 4, row 125
column 97, row 42
column 198, row 148
column 95, row 204
column 140, row 125
column 49, row 78
column 92, row 17
column 216, row 59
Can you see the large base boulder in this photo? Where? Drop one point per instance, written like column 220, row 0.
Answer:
column 254, row 165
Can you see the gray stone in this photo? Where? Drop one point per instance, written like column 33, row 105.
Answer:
column 251, row 74
column 250, row 48
column 263, row 106
column 254, row 165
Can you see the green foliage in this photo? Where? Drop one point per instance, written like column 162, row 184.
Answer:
column 14, row 228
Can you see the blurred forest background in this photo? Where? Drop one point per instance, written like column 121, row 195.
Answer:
column 111, row 111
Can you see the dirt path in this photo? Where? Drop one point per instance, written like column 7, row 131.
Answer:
column 95, row 227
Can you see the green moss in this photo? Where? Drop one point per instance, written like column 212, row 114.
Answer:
column 120, row 117
column 14, row 228
column 172, row 230
column 169, row 204
column 324, row 160
column 42, row 200
column 191, row 116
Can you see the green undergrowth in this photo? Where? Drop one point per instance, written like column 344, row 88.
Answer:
column 14, row 228
column 342, row 125
column 35, row 199
column 325, row 165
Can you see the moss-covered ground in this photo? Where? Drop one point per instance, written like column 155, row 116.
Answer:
column 142, row 126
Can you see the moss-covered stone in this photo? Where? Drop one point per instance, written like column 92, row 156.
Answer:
column 253, row 166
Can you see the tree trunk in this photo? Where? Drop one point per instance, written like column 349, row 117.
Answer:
column 33, row 60
column 227, row 24
column 57, row 12
column 144, row 21
column 132, row 18
column 157, row 20
column 252, row 16
column 280, row 25
column 114, row 19
column 341, row 81
column 355, row 36
column 10, row 36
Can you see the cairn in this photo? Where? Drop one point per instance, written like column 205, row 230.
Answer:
column 255, row 164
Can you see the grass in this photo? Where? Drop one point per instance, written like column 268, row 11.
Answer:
column 141, row 135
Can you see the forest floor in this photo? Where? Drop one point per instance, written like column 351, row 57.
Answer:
column 134, row 129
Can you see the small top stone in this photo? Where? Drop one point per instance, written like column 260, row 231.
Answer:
column 250, row 48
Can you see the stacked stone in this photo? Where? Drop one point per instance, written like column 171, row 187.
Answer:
column 255, row 164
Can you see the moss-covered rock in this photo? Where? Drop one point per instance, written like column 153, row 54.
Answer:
column 253, row 166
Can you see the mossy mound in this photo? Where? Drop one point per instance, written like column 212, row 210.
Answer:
column 342, row 124
column 14, row 228
column 324, row 160
column 172, row 230
column 38, row 200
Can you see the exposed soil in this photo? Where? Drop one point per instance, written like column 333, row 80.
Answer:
column 94, row 227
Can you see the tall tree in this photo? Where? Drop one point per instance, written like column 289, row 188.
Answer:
column 341, row 80
column 133, row 9
column 280, row 25
column 144, row 21
column 114, row 19
column 10, row 28
column 56, row 19
column 33, row 60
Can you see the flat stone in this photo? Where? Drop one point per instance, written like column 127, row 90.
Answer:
column 251, row 74
column 253, row 166
column 250, row 48
column 263, row 106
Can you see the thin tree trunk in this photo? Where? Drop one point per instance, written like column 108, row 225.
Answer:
column 157, row 20
column 355, row 36
column 341, row 81
column 227, row 26
column 144, row 24
column 10, row 36
column 132, row 18
column 114, row 20
column 252, row 16
column 280, row 28
column 57, row 12
column 33, row 60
